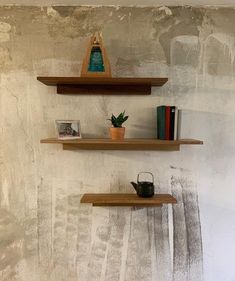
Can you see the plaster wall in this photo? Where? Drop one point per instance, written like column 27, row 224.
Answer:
column 45, row 234
column 124, row 3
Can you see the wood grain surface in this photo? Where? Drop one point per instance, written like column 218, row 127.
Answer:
column 126, row 144
column 54, row 81
column 102, row 85
column 125, row 199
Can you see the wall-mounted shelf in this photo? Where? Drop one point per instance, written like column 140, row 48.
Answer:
column 126, row 144
column 123, row 199
column 102, row 85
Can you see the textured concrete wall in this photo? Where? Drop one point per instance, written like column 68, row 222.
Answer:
column 45, row 234
column 125, row 3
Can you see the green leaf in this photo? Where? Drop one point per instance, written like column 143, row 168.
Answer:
column 125, row 118
column 113, row 119
column 119, row 120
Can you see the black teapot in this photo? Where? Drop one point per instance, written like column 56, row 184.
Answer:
column 144, row 188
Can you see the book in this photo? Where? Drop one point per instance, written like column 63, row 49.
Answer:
column 172, row 122
column 176, row 124
column 167, row 122
column 161, row 115
column 179, row 124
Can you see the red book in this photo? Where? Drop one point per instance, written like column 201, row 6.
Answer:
column 168, row 121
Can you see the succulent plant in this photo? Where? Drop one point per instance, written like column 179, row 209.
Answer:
column 119, row 120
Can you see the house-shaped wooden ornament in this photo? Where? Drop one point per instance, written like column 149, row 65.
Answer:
column 96, row 63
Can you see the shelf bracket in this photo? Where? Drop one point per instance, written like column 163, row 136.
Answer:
column 97, row 89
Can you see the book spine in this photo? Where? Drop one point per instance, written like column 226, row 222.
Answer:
column 172, row 122
column 161, row 122
column 167, row 122
column 177, row 124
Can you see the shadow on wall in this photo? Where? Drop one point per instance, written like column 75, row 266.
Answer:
column 124, row 243
column 110, row 243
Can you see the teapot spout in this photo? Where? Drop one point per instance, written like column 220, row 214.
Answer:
column 134, row 185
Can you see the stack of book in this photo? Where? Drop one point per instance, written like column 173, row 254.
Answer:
column 167, row 122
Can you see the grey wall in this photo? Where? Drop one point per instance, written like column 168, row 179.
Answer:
column 45, row 234
column 120, row 2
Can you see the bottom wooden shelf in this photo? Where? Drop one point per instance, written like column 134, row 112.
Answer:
column 125, row 199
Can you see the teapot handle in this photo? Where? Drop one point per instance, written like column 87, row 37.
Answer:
column 145, row 173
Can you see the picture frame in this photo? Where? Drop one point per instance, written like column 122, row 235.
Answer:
column 96, row 56
column 68, row 129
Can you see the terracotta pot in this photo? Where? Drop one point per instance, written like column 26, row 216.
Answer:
column 117, row 133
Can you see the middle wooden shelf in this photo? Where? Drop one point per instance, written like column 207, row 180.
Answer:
column 126, row 144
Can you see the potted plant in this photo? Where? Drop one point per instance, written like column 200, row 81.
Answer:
column 117, row 132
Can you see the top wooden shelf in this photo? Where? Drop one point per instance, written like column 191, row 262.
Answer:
column 103, row 85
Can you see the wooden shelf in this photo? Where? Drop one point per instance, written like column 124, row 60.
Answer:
column 103, row 86
column 126, row 144
column 125, row 199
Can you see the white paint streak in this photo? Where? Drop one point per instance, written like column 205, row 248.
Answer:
column 166, row 10
column 52, row 12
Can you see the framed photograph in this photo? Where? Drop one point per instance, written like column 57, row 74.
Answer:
column 68, row 129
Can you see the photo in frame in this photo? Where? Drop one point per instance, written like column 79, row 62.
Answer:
column 68, row 129
column 96, row 62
